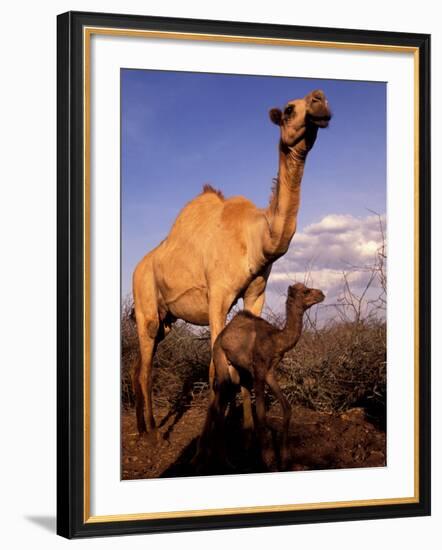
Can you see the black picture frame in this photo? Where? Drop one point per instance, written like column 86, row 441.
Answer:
column 71, row 518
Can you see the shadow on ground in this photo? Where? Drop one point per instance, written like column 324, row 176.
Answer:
column 242, row 454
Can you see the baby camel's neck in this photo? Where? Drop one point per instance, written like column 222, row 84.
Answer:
column 290, row 334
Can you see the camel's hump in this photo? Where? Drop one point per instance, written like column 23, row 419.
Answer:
column 207, row 188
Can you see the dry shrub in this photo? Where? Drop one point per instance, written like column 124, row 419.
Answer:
column 331, row 369
column 338, row 367
column 181, row 363
column 181, row 366
column 130, row 352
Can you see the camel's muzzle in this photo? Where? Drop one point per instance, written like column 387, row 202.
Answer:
column 319, row 112
column 320, row 117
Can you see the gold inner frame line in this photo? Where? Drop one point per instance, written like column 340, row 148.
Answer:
column 87, row 33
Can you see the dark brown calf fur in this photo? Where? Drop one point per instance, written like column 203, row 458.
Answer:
column 247, row 352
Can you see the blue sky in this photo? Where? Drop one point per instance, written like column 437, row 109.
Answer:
column 180, row 130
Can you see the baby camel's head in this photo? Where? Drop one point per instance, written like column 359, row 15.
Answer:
column 302, row 295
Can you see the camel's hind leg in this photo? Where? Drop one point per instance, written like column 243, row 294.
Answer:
column 150, row 330
column 143, row 374
column 150, row 334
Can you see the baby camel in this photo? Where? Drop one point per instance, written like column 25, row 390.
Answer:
column 246, row 353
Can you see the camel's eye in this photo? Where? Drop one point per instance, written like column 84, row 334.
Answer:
column 288, row 110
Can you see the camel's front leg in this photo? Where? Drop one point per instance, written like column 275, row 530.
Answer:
column 219, row 306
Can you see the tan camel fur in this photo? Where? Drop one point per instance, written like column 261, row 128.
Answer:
column 247, row 352
column 220, row 250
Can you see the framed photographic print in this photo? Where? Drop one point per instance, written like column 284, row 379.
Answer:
column 243, row 274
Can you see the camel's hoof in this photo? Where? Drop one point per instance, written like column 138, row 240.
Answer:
column 152, row 437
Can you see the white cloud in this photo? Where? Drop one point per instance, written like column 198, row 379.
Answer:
column 333, row 223
column 323, row 251
column 336, row 242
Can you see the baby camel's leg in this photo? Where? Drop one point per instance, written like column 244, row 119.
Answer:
column 266, row 450
column 223, row 394
column 253, row 302
column 286, row 411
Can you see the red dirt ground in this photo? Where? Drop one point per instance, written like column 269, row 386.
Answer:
column 317, row 441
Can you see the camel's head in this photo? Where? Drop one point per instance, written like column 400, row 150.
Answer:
column 300, row 120
column 308, row 297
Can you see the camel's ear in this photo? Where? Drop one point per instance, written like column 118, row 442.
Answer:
column 292, row 290
column 276, row 116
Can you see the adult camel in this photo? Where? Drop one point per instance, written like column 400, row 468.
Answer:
column 219, row 250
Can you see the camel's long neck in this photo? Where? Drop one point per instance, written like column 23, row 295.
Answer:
column 290, row 334
column 282, row 211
